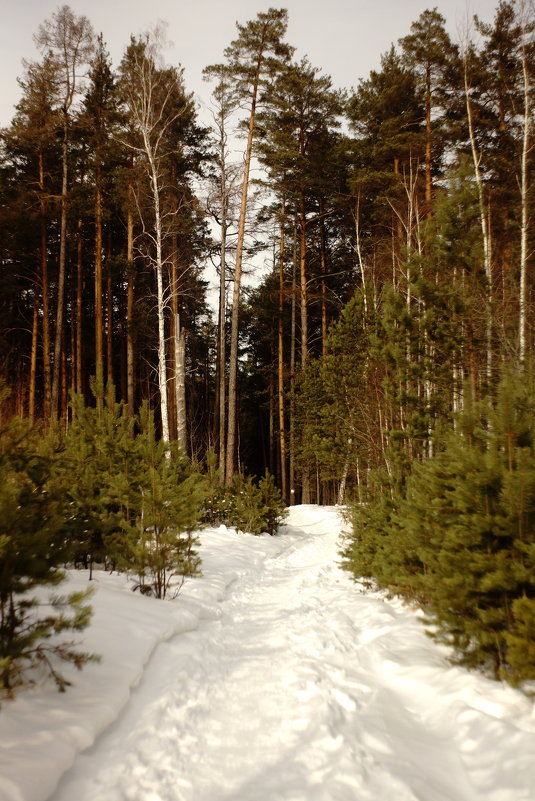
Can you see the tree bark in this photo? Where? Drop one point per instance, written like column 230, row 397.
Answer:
column 280, row 361
column 303, row 295
column 109, row 320
column 524, row 199
column 234, row 330
column 78, row 384
column 130, row 370
column 61, row 272
column 99, row 313
column 221, row 340
column 44, row 293
column 323, row 259
column 180, row 385
column 485, row 229
column 293, row 333
column 33, row 359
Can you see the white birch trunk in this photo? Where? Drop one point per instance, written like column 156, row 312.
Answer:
column 158, row 266
column 485, row 228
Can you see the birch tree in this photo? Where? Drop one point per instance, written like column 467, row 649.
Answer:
column 150, row 93
column 467, row 58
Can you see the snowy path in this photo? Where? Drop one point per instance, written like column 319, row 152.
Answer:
column 295, row 686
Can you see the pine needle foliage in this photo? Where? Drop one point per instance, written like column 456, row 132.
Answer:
column 133, row 500
column 33, row 545
column 168, row 503
column 459, row 535
column 96, row 469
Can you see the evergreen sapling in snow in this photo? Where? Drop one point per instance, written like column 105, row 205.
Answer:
column 170, row 497
column 33, row 545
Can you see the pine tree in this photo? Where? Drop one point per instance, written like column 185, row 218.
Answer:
column 98, row 471
column 335, row 435
column 33, row 546
column 169, row 500
column 69, row 42
column 252, row 61
column 468, row 514
column 31, row 152
column 100, row 116
column 431, row 54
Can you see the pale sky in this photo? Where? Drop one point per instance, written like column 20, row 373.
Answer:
column 345, row 38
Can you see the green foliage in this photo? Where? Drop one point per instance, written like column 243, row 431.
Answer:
column 379, row 550
column 32, row 547
column 249, row 506
column 252, row 507
column 217, row 498
column 330, row 402
column 97, row 470
column 271, row 499
column 458, row 535
column 168, row 503
column 247, row 512
column 521, row 639
column 133, row 501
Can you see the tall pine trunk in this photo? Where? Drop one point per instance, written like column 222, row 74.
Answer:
column 524, row 198
column 78, row 383
column 221, row 340
column 323, row 259
column 234, row 326
column 99, row 313
column 44, row 292
column 280, row 361
column 130, row 367
column 293, row 334
column 60, row 300
column 33, row 358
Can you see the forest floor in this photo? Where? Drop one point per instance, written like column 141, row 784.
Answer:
column 274, row 677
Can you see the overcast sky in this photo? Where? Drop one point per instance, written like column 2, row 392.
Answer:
column 345, row 38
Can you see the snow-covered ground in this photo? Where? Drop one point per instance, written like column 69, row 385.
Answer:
column 272, row 678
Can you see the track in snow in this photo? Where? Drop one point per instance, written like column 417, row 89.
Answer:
column 302, row 689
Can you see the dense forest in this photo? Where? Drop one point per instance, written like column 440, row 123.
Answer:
column 385, row 357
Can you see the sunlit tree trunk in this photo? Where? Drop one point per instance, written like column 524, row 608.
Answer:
column 280, row 361
column 99, row 312
column 323, row 259
column 44, row 292
column 303, row 294
column 293, row 334
column 130, row 368
column 231, row 452
column 69, row 40
column 33, row 359
column 60, row 299
column 524, row 188
column 78, row 383
column 179, row 341
column 109, row 320
column 483, row 218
